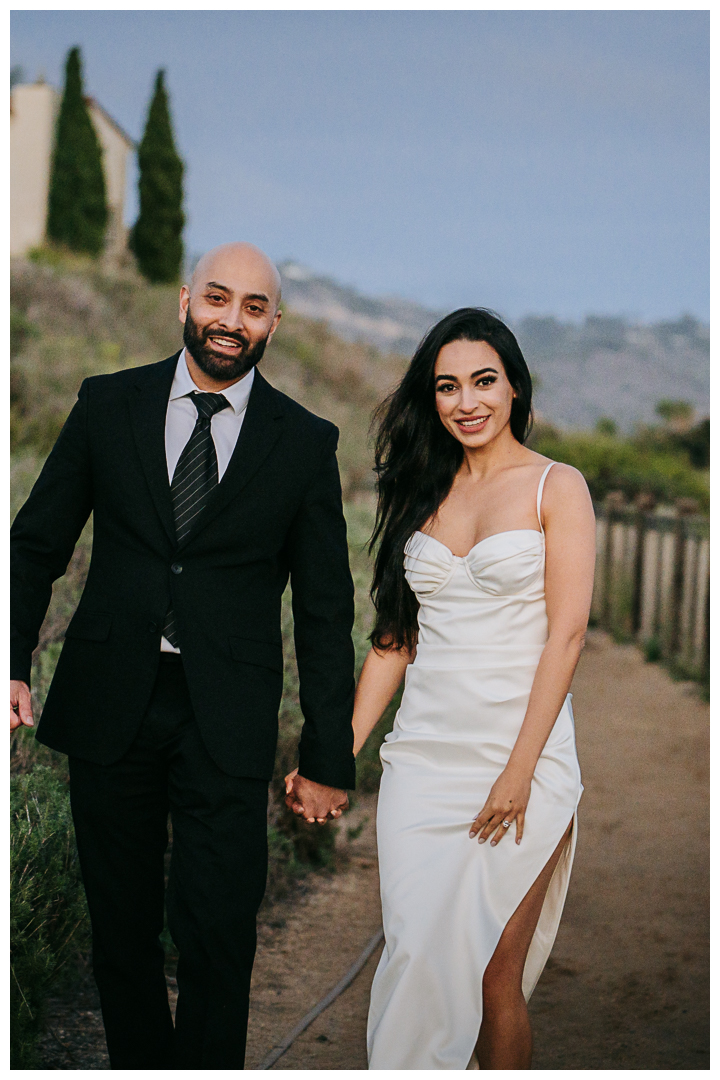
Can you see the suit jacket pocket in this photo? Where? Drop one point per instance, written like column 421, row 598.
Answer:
column 265, row 654
column 89, row 626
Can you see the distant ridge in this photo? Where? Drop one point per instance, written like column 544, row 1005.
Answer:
column 389, row 323
column 602, row 367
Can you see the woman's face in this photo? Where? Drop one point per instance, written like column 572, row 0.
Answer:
column 472, row 392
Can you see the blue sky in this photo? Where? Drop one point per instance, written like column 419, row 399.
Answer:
column 545, row 162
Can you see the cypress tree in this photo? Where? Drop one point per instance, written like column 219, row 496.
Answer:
column 156, row 237
column 77, row 202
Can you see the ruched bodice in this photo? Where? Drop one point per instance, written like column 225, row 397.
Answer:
column 494, row 595
column 482, row 627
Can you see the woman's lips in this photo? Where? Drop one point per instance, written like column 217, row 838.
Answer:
column 472, row 423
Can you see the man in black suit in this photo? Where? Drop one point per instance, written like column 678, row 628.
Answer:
column 209, row 489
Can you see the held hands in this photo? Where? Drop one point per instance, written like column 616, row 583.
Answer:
column 313, row 802
column 506, row 803
column 20, row 705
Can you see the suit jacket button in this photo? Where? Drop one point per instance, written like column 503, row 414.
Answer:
column 152, row 627
column 176, row 568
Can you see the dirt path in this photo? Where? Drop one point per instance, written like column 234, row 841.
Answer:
column 320, row 938
column 627, row 984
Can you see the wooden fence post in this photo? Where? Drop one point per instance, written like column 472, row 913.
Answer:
column 706, row 639
column 644, row 504
column 658, row 591
column 614, row 503
column 683, row 509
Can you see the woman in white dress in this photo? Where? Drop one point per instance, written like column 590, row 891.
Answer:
column 483, row 579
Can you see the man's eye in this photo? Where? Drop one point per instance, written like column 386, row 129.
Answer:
column 214, row 297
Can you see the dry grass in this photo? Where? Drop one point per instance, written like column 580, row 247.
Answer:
column 73, row 319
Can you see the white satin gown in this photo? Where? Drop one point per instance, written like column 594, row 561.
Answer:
column 446, row 899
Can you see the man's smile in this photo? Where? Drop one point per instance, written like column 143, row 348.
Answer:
column 225, row 344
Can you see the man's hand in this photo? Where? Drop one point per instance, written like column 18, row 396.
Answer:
column 314, row 802
column 20, row 705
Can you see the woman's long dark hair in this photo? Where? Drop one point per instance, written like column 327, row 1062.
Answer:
column 417, row 459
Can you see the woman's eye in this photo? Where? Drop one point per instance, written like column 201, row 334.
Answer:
column 445, row 388
column 487, row 381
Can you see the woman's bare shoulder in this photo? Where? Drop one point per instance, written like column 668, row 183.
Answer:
column 565, row 486
column 560, row 473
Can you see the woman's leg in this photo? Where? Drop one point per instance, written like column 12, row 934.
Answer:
column 505, row 1040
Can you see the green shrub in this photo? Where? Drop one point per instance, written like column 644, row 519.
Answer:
column 652, row 650
column 48, row 917
column 609, row 464
column 26, row 753
column 689, row 442
column 21, row 330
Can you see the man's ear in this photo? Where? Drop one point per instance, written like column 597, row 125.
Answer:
column 276, row 320
column 184, row 301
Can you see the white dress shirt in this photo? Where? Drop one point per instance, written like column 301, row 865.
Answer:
column 181, row 418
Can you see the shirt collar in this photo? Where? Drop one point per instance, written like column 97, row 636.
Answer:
column 237, row 394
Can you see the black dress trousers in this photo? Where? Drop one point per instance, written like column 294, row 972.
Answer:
column 217, row 880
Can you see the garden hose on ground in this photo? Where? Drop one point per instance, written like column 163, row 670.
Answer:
column 277, row 1051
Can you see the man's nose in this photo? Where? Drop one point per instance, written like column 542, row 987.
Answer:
column 232, row 317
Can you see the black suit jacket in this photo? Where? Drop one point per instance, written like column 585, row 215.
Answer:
column 276, row 514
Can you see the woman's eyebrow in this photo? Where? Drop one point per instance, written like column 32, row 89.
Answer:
column 474, row 375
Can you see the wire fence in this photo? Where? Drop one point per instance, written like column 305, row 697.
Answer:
column 652, row 580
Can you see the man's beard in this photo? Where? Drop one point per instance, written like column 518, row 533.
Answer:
column 215, row 366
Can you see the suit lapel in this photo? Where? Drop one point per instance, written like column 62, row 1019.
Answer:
column 259, row 433
column 148, row 402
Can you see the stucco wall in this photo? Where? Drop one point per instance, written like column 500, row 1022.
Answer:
column 32, row 129
column 32, row 123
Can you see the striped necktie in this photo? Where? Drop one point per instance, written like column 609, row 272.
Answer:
column 196, row 474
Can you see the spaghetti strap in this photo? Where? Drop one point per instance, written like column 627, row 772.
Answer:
column 541, row 485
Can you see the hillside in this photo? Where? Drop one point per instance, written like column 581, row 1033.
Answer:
column 603, row 367
column 70, row 319
column 390, row 323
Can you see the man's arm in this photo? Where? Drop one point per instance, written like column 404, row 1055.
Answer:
column 322, row 599
column 42, row 541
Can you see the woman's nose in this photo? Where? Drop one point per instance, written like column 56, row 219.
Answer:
column 468, row 399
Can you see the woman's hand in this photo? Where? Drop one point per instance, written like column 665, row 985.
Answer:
column 506, row 803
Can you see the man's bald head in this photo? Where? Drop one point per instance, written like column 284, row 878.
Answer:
column 235, row 263
column 230, row 311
